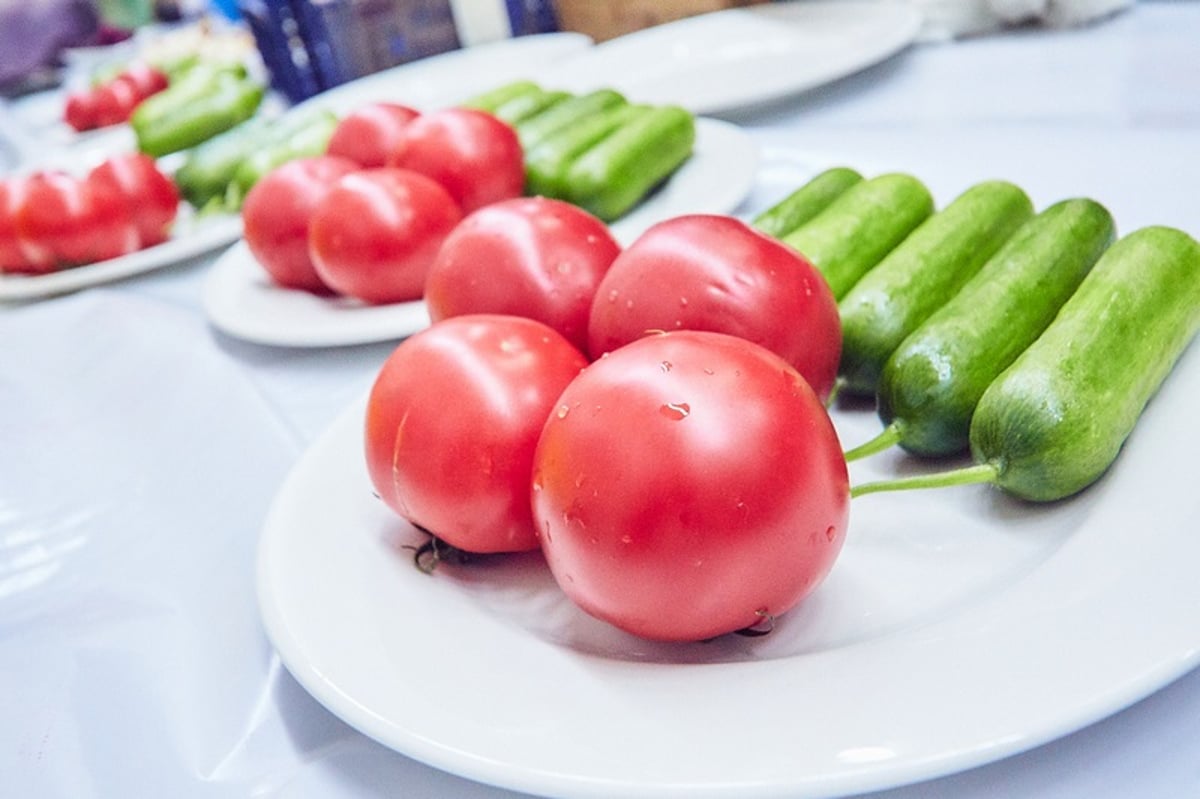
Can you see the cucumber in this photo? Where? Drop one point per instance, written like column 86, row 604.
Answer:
column 546, row 165
column 805, row 202
column 614, row 175
column 930, row 385
column 861, row 226
column 1055, row 420
column 525, row 106
column 562, row 115
column 492, row 99
column 921, row 274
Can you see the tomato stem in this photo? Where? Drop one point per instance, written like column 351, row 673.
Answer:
column 888, row 437
column 980, row 473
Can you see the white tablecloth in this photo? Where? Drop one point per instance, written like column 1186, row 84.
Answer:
column 140, row 449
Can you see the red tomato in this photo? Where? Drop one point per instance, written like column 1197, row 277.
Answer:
column 115, row 101
column 376, row 232
column 529, row 256
column 151, row 196
column 69, row 222
column 475, row 155
column 705, row 272
column 367, row 135
column 146, row 80
column 452, row 421
column 276, row 213
column 688, row 485
column 12, row 257
column 80, row 112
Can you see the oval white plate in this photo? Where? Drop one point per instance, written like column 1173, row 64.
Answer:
column 241, row 301
column 959, row 626
column 729, row 60
column 193, row 238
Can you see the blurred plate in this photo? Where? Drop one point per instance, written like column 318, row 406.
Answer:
column 241, row 301
column 727, row 60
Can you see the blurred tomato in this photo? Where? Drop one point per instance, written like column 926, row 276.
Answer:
column 528, row 256
column 64, row 221
column 689, row 484
column 376, row 232
column 473, row 154
column 276, row 215
column 452, row 421
column 709, row 272
column 368, row 134
column 151, row 196
column 115, row 101
column 12, row 255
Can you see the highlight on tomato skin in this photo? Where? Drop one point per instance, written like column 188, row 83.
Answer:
column 452, row 421
column 689, row 484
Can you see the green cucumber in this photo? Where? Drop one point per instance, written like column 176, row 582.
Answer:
column 547, row 164
column 806, row 202
column 493, row 99
column 921, row 274
column 932, row 382
column 1055, row 420
column 614, row 175
column 861, row 226
column 570, row 111
column 524, row 106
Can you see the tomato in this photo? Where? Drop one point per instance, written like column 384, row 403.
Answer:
column 12, row 255
column 475, row 155
column 145, row 79
column 689, row 484
column 67, row 222
column 81, row 107
column 452, row 421
column 115, row 101
column 276, row 214
column 151, row 196
column 368, row 134
column 529, row 256
column 376, row 232
column 707, row 272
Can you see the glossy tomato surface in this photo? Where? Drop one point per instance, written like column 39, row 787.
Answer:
column 64, row 221
column 452, row 421
column 475, row 155
column 711, row 272
column 689, row 484
column 12, row 256
column 376, row 232
column 276, row 215
column 151, row 196
column 529, row 256
column 368, row 134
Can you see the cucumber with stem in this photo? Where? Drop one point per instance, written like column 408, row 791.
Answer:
column 806, row 202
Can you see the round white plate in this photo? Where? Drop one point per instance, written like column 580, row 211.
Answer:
column 728, row 60
column 193, row 237
column 958, row 626
column 241, row 301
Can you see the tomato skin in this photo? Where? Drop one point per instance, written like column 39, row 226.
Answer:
column 12, row 257
column 115, row 101
column 81, row 108
column 376, row 232
column 368, row 134
column 528, row 256
column 688, row 484
column 151, row 196
column 63, row 221
column 276, row 215
column 452, row 421
column 711, row 272
column 473, row 154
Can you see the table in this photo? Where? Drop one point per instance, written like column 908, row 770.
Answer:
column 141, row 450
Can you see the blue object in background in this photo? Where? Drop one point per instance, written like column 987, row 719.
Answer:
column 284, row 52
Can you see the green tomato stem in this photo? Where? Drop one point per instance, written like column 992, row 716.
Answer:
column 887, row 438
column 980, row 473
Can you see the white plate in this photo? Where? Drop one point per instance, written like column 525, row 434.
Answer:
column 740, row 57
column 241, row 301
column 958, row 627
column 193, row 238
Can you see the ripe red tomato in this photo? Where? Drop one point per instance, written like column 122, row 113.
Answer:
column 12, row 255
column 276, row 214
column 689, row 484
column 528, row 256
column 115, row 101
column 707, row 272
column 151, row 196
column 452, row 421
column 475, row 155
column 368, row 134
column 69, row 222
column 376, row 232
column 80, row 111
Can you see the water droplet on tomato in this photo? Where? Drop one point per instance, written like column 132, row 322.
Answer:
column 830, row 533
column 683, row 302
column 563, row 267
column 627, row 539
column 665, row 366
column 675, row 410
column 562, row 411
column 613, row 294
